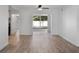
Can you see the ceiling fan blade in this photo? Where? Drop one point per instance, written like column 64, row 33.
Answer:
column 45, row 8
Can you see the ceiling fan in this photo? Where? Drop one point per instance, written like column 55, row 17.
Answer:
column 40, row 7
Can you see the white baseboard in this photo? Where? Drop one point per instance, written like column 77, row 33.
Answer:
column 4, row 46
column 75, row 44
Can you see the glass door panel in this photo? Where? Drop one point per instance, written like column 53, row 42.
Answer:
column 40, row 22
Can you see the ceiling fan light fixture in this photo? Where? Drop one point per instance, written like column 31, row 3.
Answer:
column 39, row 9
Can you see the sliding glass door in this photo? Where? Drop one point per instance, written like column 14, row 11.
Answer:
column 40, row 22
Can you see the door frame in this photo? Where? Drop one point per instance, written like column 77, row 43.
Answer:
column 41, row 15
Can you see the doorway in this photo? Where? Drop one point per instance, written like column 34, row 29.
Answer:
column 9, row 26
column 40, row 23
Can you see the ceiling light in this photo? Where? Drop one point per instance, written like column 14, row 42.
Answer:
column 39, row 9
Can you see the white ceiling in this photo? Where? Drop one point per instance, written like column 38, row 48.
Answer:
column 20, row 7
column 34, row 8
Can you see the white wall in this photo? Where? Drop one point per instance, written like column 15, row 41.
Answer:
column 68, row 25
column 3, row 26
column 26, row 22
column 49, row 23
column 65, row 22
column 55, row 17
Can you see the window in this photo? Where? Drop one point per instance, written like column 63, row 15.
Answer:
column 40, row 21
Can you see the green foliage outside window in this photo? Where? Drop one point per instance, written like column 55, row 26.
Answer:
column 43, row 18
column 37, row 18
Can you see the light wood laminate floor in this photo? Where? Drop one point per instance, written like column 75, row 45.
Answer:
column 40, row 42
